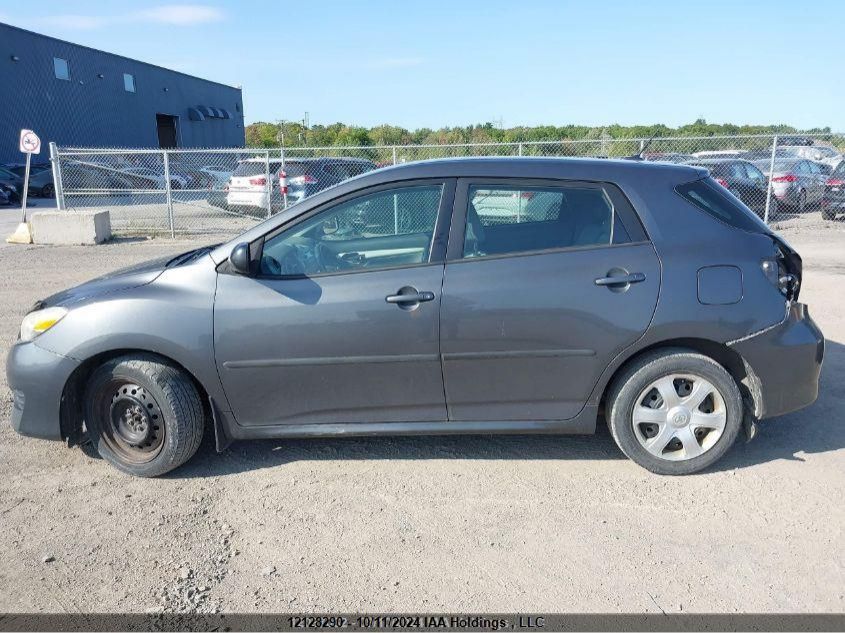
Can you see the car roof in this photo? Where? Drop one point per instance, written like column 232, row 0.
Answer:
column 609, row 169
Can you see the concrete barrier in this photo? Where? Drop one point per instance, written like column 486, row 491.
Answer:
column 68, row 227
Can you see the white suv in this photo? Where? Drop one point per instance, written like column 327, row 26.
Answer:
column 248, row 186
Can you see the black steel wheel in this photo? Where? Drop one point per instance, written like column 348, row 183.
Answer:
column 144, row 415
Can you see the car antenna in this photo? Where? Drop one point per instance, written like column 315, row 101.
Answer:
column 639, row 155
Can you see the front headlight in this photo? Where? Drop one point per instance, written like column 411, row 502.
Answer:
column 40, row 321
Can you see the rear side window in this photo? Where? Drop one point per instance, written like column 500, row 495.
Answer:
column 840, row 170
column 250, row 168
column 505, row 220
column 715, row 201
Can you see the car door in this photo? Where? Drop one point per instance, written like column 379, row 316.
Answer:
column 340, row 323
column 818, row 179
column 758, row 185
column 545, row 283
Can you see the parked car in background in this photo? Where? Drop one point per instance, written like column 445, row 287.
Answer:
column 80, row 176
column 818, row 153
column 833, row 201
column 215, row 177
column 157, row 177
column 667, row 157
column 41, row 183
column 440, row 322
column 796, row 182
column 743, row 179
column 718, row 153
column 295, row 179
column 12, row 184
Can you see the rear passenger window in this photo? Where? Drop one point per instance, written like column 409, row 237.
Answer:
column 503, row 220
column 714, row 200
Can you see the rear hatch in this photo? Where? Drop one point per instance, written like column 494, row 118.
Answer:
column 251, row 175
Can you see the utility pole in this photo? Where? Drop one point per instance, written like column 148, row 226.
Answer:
column 280, row 136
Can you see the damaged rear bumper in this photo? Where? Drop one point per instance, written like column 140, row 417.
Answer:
column 784, row 363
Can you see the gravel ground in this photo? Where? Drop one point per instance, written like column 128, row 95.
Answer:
column 504, row 523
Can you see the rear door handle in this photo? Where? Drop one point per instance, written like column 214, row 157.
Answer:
column 621, row 280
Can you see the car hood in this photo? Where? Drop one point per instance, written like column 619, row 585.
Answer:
column 122, row 279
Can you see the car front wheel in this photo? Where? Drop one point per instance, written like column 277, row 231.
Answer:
column 143, row 414
column 674, row 411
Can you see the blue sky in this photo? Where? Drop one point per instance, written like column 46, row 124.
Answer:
column 435, row 63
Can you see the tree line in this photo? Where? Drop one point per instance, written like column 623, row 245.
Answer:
column 295, row 134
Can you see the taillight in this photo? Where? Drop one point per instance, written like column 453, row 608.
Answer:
column 722, row 182
column 786, row 178
column 527, row 195
column 784, row 270
column 258, row 181
column 835, row 182
column 309, row 179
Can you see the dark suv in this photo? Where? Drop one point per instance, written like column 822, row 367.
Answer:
column 833, row 201
column 506, row 295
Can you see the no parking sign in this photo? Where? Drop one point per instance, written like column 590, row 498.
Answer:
column 30, row 143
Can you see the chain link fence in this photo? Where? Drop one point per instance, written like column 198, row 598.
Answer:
column 206, row 191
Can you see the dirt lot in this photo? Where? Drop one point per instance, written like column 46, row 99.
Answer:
column 428, row 524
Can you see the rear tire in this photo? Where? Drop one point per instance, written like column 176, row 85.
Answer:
column 143, row 414
column 47, row 191
column 827, row 214
column 676, row 435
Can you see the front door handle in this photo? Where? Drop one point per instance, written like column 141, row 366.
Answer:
column 409, row 296
column 621, row 280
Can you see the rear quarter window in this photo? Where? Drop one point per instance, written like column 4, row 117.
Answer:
column 716, row 202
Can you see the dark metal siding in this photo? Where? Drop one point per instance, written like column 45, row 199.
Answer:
column 89, row 111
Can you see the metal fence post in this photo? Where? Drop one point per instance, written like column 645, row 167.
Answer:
column 58, row 190
column 771, row 173
column 168, row 193
column 520, row 149
column 268, row 184
column 394, row 154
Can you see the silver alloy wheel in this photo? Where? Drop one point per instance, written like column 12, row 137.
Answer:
column 679, row 417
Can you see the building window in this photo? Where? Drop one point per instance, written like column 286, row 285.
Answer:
column 61, row 68
column 128, row 82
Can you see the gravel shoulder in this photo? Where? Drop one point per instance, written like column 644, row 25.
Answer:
column 507, row 523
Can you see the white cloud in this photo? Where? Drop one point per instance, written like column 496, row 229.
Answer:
column 181, row 14
column 173, row 14
column 395, row 62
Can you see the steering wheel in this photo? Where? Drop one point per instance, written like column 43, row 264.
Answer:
column 271, row 265
column 327, row 259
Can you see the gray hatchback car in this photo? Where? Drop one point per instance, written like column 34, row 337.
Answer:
column 455, row 296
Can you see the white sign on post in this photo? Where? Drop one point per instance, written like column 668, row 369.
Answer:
column 30, row 143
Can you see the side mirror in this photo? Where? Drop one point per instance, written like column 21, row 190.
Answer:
column 239, row 259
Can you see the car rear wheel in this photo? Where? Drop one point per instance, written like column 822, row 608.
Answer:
column 802, row 201
column 674, row 411
column 828, row 214
column 143, row 414
column 47, row 191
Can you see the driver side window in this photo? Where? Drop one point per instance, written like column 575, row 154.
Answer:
column 393, row 227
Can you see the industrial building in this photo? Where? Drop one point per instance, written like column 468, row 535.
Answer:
column 82, row 97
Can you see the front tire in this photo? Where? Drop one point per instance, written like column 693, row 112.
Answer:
column 674, row 411
column 143, row 414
